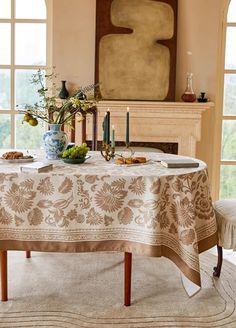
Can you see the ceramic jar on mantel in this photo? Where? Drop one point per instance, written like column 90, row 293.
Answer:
column 63, row 94
column 55, row 141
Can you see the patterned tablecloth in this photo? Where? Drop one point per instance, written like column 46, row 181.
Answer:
column 100, row 206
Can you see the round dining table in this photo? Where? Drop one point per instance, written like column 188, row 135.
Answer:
column 145, row 209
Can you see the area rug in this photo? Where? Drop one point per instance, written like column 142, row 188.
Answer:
column 86, row 290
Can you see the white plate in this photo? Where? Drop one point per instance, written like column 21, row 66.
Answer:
column 18, row 160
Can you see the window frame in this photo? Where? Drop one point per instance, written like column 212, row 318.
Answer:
column 12, row 67
column 220, row 117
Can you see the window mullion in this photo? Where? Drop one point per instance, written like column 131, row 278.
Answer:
column 29, row 67
column 223, row 162
column 230, row 71
column 229, row 117
column 23, row 66
column 12, row 90
column 21, row 20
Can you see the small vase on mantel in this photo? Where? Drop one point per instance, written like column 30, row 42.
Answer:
column 63, row 94
column 189, row 95
column 55, row 141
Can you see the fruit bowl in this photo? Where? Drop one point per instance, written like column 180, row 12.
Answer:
column 75, row 160
column 76, row 154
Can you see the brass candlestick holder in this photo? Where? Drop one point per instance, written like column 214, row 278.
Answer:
column 126, row 152
column 128, row 149
column 107, row 151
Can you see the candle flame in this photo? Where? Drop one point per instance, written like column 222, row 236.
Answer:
column 127, row 109
column 113, row 127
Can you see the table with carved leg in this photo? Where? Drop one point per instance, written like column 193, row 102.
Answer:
column 100, row 206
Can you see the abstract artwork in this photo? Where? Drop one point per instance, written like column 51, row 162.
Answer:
column 136, row 49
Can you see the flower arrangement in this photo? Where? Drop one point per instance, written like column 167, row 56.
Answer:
column 52, row 110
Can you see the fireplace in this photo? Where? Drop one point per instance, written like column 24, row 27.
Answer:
column 166, row 147
column 171, row 126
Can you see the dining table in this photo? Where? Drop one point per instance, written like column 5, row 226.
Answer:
column 144, row 209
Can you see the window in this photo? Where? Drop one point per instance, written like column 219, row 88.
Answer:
column 228, row 141
column 24, row 36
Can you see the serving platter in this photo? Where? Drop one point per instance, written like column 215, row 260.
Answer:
column 149, row 161
column 27, row 159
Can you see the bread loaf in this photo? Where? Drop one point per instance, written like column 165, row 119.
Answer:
column 130, row 160
column 12, row 155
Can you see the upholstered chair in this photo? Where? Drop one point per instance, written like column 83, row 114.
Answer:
column 225, row 210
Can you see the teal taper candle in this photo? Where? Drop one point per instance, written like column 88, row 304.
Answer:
column 113, row 136
column 104, row 128
column 108, row 126
column 127, row 126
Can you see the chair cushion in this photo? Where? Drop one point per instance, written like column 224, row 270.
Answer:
column 225, row 210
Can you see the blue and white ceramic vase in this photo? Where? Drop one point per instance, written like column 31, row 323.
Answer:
column 55, row 141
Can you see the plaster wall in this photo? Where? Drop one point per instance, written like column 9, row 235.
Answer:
column 74, row 41
column 199, row 27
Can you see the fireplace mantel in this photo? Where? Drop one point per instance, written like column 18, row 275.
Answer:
column 178, row 122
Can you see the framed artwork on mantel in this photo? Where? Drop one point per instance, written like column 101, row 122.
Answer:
column 136, row 49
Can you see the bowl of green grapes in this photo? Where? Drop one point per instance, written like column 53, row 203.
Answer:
column 76, row 154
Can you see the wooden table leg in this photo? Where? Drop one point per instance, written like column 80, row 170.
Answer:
column 84, row 129
column 217, row 269
column 3, row 273
column 127, row 277
column 94, row 132
column 28, row 254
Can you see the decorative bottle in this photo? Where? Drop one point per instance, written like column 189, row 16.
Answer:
column 63, row 94
column 189, row 95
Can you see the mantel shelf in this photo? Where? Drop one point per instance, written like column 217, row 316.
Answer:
column 155, row 121
column 156, row 105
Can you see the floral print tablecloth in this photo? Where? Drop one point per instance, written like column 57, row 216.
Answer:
column 100, row 206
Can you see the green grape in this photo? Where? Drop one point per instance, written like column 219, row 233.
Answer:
column 76, row 152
